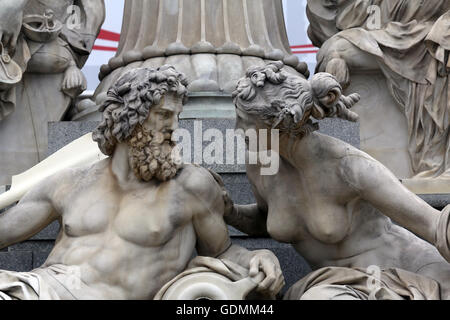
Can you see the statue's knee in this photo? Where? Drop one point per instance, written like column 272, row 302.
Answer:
column 336, row 46
column 52, row 57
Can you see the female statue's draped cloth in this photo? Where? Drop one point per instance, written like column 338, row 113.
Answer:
column 212, row 42
column 412, row 47
column 337, row 283
column 26, row 108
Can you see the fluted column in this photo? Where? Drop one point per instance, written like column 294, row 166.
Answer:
column 162, row 28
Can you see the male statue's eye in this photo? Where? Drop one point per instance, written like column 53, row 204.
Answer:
column 164, row 115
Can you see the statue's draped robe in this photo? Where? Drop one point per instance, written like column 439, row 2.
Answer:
column 26, row 109
column 33, row 286
column 60, row 282
column 336, row 283
column 412, row 47
column 54, row 282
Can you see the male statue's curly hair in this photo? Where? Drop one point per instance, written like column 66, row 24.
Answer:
column 129, row 101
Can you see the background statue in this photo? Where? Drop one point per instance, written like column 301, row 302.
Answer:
column 130, row 222
column 407, row 40
column 331, row 201
column 48, row 41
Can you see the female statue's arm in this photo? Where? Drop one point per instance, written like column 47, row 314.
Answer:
column 378, row 185
column 248, row 218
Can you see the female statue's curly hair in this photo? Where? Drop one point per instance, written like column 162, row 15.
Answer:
column 129, row 101
column 282, row 100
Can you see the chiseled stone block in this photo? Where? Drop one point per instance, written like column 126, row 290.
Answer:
column 48, row 233
column 62, row 133
column 341, row 129
column 16, row 260
column 40, row 250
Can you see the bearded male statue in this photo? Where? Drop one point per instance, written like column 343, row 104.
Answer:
column 129, row 223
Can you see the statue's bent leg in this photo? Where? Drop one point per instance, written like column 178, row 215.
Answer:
column 52, row 57
column 338, row 56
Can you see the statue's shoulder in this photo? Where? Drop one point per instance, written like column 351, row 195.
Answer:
column 198, row 180
column 348, row 159
column 80, row 174
column 331, row 146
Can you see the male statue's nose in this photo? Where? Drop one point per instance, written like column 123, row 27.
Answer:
column 174, row 124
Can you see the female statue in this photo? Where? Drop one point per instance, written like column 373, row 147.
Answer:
column 331, row 201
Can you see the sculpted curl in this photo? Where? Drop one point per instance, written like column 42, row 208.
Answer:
column 288, row 101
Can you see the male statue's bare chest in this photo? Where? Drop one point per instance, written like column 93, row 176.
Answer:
column 145, row 217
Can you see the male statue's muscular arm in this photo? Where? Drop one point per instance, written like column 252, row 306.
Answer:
column 213, row 239
column 33, row 213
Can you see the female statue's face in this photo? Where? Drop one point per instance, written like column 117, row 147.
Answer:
column 258, row 135
column 244, row 121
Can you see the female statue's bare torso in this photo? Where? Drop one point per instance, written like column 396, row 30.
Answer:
column 323, row 212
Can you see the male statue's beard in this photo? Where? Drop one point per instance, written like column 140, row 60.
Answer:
column 150, row 155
